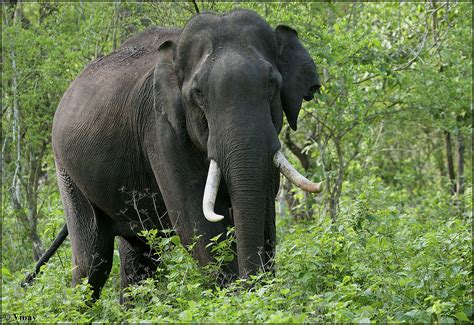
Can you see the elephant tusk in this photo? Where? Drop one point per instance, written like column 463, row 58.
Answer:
column 210, row 193
column 294, row 176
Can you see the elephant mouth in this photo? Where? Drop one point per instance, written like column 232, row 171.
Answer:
column 314, row 89
column 279, row 160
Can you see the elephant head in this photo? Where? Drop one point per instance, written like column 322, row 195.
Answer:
column 227, row 82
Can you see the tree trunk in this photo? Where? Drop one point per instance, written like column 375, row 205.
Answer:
column 29, row 221
column 305, row 163
column 116, row 21
column 447, row 134
column 297, row 151
column 337, row 188
column 282, row 198
column 460, row 162
column 439, row 158
column 449, row 162
column 15, row 188
column 36, row 161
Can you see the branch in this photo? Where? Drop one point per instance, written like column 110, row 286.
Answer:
column 195, row 6
column 336, row 97
column 370, row 117
column 356, row 151
column 423, row 41
column 320, row 121
column 373, row 116
column 365, row 79
column 296, row 150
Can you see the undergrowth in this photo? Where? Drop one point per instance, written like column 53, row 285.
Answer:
column 380, row 261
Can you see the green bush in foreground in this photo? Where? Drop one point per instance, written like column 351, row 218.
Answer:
column 390, row 263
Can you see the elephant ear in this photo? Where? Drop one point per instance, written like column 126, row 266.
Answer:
column 166, row 91
column 299, row 77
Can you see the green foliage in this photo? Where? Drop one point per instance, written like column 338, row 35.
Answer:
column 385, row 242
column 380, row 262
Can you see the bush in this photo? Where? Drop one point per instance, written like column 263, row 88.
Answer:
column 380, row 261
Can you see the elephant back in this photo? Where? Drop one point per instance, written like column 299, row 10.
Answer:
column 136, row 52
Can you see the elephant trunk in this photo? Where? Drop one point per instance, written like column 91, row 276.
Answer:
column 245, row 152
column 249, row 174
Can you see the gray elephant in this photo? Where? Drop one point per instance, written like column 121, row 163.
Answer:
column 176, row 129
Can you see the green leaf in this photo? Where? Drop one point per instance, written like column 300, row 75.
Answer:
column 175, row 240
column 5, row 272
column 461, row 316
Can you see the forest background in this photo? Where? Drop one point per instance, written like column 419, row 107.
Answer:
column 388, row 240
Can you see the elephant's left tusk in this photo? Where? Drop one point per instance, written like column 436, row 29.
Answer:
column 210, row 193
column 294, row 176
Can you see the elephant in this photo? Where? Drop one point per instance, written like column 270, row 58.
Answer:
column 178, row 128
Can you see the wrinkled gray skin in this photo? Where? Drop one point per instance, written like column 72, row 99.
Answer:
column 149, row 117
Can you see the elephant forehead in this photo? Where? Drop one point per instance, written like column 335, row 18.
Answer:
column 209, row 33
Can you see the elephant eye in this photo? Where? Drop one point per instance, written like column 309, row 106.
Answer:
column 274, row 86
column 273, row 82
column 198, row 96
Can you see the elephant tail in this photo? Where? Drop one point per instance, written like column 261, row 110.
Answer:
column 46, row 256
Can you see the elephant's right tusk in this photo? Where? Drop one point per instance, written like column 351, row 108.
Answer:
column 294, row 176
column 210, row 193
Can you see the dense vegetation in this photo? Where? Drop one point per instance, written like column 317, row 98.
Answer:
column 390, row 135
